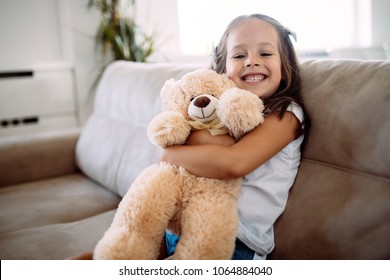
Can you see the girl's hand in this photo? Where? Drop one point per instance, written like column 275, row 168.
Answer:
column 202, row 137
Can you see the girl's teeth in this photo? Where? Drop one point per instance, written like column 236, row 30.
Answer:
column 254, row 79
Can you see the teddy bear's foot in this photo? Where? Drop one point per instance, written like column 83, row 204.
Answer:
column 118, row 244
column 209, row 223
column 142, row 216
column 210, row 240
column 205, row 252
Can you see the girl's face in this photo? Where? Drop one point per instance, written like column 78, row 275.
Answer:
column 253, row 59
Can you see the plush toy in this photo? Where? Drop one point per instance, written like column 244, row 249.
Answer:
column 202, row 211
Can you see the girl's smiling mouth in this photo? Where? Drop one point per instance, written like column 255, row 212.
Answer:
column 253, row 78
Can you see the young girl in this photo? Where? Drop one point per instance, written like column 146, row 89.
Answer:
column 257, row 54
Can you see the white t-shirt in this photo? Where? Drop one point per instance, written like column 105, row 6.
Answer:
column 264, row 194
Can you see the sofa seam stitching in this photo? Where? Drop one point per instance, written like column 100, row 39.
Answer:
column 360, row 173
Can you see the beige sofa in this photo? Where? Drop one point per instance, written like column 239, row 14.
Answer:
column 59, row 190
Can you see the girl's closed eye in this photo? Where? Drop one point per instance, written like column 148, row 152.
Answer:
column 239, row 56
column 265, row 54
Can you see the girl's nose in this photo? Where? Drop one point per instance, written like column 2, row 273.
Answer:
column 251, row 61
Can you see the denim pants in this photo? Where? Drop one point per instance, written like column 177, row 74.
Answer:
column 241, row 251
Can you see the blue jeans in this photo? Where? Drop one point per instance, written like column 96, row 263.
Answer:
column 241, row 251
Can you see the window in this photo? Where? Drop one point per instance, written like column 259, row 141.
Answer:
column 319, row 25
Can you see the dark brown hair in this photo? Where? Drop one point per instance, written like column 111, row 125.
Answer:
column 290, row 85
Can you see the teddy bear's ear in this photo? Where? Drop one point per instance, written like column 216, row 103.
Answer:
column 171, row 96
column 166, row 87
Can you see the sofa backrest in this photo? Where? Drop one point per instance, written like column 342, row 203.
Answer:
column 349, row 105
column 339, row 206
column 113, row 147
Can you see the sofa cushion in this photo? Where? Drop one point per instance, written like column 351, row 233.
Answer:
column 113, row 147
column 334, row 213
column 58, row 200
column 25, row 158
column 55, row 241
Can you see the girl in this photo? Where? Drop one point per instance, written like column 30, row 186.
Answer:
column 257, row 54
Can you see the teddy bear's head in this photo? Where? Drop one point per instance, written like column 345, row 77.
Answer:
column 203, row 99
column 196, row 94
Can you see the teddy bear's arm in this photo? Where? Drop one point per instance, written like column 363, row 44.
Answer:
column 168, row 128
column 240, row 111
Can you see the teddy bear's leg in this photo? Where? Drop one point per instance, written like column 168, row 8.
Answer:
column 142, row 216
column 209, row 221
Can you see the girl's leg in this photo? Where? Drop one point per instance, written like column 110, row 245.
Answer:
column 242, row 252
column 171, row 241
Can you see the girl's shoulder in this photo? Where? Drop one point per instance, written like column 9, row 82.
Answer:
column 296, row 110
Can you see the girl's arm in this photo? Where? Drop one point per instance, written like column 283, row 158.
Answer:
column 202, row 137
column 238, row 159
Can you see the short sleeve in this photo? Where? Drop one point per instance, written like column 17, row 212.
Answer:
column 296, row 110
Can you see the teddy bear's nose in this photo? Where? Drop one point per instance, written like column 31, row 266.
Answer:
column 202, row 101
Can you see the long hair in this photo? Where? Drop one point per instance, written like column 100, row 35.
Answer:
column 290, row 86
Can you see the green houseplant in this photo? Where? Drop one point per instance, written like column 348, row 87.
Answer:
column 118, row 36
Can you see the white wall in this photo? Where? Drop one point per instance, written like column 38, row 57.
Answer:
column 81, row 25
column 160, row 18
column 380, row 22
column 29, row 32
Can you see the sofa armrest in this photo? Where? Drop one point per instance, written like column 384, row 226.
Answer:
column 38, row 156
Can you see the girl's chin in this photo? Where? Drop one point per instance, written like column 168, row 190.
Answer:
column 259, row 93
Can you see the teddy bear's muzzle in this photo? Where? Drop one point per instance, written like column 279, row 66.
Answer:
column 203, row 108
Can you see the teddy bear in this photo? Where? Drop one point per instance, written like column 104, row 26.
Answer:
column 202, row 211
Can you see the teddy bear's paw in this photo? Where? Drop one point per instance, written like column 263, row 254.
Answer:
column 168, row 128
column 240, row 111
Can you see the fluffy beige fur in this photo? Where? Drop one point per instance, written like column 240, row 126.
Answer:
column 201, row 210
